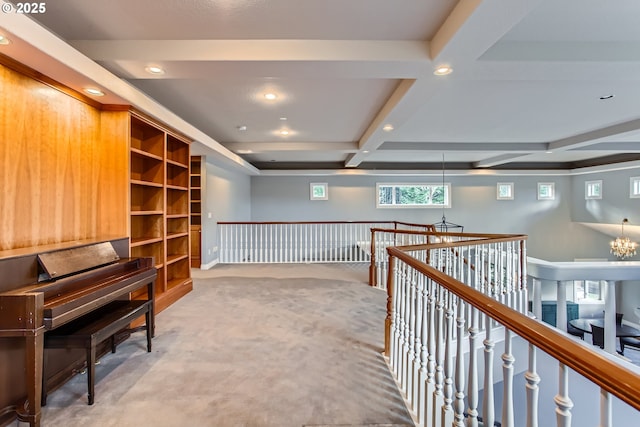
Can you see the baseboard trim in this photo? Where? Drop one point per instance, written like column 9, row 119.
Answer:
column 210, row 264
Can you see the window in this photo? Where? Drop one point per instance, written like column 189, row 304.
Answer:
column 587, row 290
column 546, row 191
column 634, row 191
column 504, row 191
column 413, row 195
column 319, row 191
column 593, row 190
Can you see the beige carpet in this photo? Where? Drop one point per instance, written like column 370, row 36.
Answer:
column 251, row 346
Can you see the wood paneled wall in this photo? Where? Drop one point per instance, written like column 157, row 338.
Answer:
column 63, row 166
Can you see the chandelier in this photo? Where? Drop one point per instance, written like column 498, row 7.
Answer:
column 623, row 247
column 445, row 226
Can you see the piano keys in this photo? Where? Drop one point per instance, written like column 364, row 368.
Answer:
column 41, row 291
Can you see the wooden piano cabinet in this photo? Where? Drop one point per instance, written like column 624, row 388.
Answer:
column 41, row 291
column 20, row 316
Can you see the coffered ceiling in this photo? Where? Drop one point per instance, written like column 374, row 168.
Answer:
column 535, row 84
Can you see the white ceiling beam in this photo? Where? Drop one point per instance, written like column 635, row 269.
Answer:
column 263, row 147
column 474, row 26
column 253, row 50
column 595, row 136
column 498, row 160
column 465, row 146
column 374, row 136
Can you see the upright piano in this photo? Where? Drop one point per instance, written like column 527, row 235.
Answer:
column 41, row 291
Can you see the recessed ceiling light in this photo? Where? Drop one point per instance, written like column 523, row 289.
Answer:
column 154, row 69
column 548, row 151
column 4, row 40
column 270, row 96
column 283, row 118
column 387, row 128
column 244, row 151
column 284, row 132
column 443, row 70
column 603, row 97
column 242, row 128
column 94, row 91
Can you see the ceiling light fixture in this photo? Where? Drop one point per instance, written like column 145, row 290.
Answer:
column 270, row 96
column 443, row 70
column 387, row 128
column 242, row 128
column 4, row 40
column 284, row 132
column 94, row 91
column 154, row 69
column 623, row 247
column 283, row 118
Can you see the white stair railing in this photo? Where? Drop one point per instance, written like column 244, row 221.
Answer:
column 300, row 242
column 437, row 325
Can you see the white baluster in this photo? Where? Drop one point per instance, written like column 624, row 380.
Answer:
column 417, row 347
column 458, row 405
column 438, row 399
column 430, row 387
column 606, row 419
column 488, row 415
column 424, row 336
column 563, row 402
column 472, row 393
column 447, row 389
column 532, row 378
column 404, row 332
column 408, row 374
column 395, row 325
column 507, row 375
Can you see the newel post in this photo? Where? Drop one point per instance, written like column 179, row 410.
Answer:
column 372, row 266
column 387, row 321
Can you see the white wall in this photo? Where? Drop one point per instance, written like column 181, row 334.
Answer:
column 552, row 235
column 226, row 197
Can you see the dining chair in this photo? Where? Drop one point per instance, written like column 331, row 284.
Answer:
column 597, row 336
column 575, row 331
column 629, row 342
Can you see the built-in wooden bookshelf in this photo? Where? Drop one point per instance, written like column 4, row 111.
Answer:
column 196, row 179
column 159, row 179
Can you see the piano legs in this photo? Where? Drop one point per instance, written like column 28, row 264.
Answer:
column 31, row 411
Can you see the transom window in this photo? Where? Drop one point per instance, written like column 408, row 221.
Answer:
column 634, row 190
column 413, row 195
column 593, row 190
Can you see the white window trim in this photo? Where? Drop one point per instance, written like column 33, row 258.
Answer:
column 325, row 191
column 511, row 191
column 633, row 180
column 553, row 190
column 447, row 186
column 587, row 185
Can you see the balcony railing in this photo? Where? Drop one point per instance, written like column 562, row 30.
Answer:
column 452, row 305
column 301, row 242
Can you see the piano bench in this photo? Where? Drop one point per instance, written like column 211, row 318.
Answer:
column 92, row 329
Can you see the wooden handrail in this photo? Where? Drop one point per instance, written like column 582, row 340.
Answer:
column 614, row 378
